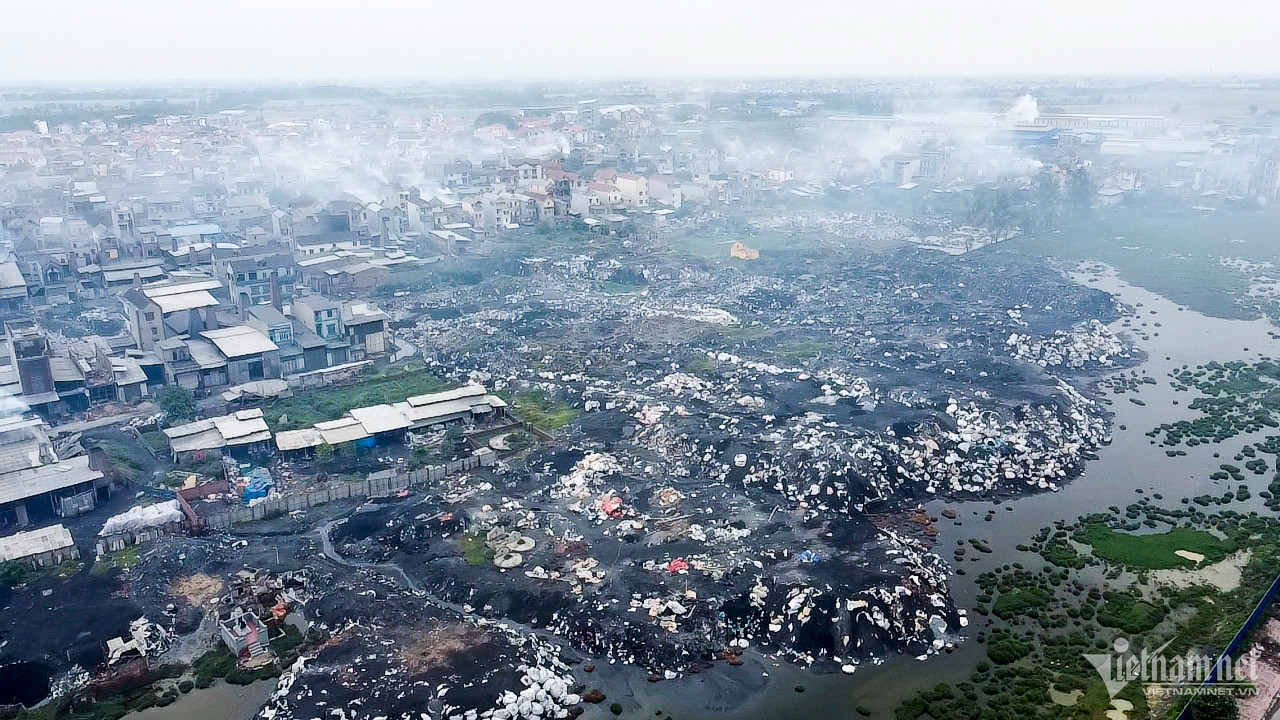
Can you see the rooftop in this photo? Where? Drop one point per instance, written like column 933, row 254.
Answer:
column 22, row 484
column 35, row 542
column 239, row 341
column 190, row 230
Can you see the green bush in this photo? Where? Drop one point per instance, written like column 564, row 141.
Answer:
column 1004, row 648
column 1130, row 613
column 214, row 664
column 16, row 572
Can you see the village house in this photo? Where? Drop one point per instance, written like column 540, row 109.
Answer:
column 365, row 327
column 249, row 353
column 164, row 310
column 323, row 317
column 634, row 189
column 262, row 280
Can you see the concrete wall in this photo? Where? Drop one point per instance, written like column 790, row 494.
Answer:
column 120, row 541
column 379, row 484
column 49, row 558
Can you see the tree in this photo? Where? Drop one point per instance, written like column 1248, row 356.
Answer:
column 1080, row 191
column 177, row 402
column 994, row 210
column 1214, row 707
column 324, row 452
column 495, row 117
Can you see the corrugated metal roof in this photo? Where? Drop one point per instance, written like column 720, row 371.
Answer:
column 207, row 439
column 257, row 437
column 240, row 341
column 380, row 418
column 11, row 276
column 308, row 262
column 299, row 439
column 146, row 273
column 235, row 428
column 64, row 369
column 190, row 230
column 186, row 429
column 184, row 301
column 470, row 399
column 205, row 355
column 342, row 430
column 472, row 390
column 435, row 412
column 127, row 371
column 179, row 288
column 33, row 542
column 257, row 388
column 21, row 455
column 239, row 428
column 22, row 484
column 18, row 422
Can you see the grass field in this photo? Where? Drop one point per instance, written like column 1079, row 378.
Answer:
column 1153, row 552
column 308, row 407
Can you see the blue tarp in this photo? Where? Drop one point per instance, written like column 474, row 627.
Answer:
column 259, row 485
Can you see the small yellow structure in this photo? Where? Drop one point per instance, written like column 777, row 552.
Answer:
column 742, row 252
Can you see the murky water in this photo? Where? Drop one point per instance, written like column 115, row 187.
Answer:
column 1129, row 464
column 24, row 683
column 220, row 702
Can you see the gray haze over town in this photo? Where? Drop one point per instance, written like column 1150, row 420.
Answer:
column 686, row 362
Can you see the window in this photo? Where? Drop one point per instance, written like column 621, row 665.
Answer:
column 151, row 316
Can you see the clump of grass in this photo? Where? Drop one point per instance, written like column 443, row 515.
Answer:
column 544, row 412
column 125, row 558
column 474, row 549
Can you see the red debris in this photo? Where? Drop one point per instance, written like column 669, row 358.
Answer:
column 612, row 506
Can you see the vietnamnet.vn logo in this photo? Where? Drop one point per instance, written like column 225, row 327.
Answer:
column 1184, row 674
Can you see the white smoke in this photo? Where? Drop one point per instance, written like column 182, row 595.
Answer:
column 1024, row 111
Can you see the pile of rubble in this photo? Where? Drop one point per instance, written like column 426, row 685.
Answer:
column 1040, row 449
column 546, row 695
column 1087, row 345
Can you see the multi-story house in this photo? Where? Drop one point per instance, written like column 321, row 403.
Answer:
column 250, row 280
column 323, row 317
column 634, row 189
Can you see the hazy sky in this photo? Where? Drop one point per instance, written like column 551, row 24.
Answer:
column 94, row 41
